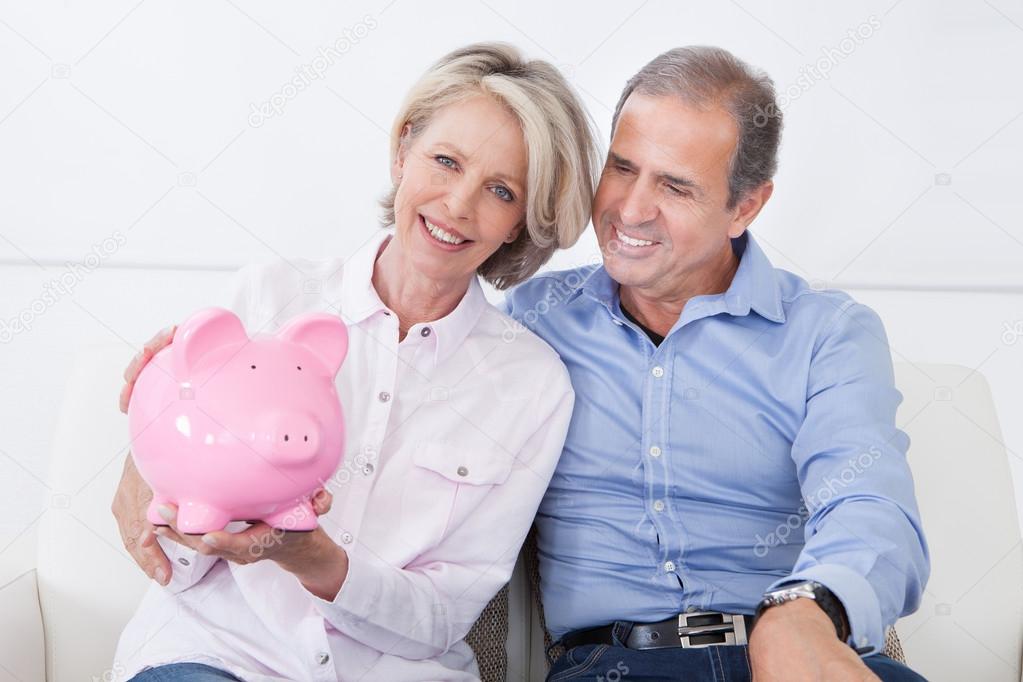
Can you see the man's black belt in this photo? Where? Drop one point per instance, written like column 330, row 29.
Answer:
column 686, row 630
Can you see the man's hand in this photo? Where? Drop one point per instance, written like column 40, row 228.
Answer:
column 131, row 501
column 797, row 642
column 320, row 565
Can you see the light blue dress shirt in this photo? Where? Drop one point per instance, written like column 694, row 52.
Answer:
column 755, row 446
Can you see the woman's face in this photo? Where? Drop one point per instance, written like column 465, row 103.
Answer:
column 461, row 188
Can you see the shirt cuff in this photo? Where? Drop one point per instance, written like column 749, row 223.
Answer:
column 858, row 598
column 356, row 600
column 184, row 575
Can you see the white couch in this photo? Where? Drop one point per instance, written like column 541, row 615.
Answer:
column 65, row 597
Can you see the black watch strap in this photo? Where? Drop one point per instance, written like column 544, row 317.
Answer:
column 825, row 599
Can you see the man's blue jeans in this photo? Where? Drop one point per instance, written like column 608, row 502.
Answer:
column 184, row 672
column 606, row 663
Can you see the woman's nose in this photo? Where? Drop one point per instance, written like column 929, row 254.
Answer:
column 459, row 200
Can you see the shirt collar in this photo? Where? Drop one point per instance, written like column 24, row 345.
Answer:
column 754, row 286
column 359, row 301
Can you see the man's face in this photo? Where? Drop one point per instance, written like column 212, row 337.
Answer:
column 660, row 208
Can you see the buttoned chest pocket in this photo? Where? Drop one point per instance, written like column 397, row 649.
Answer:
column 444, row 482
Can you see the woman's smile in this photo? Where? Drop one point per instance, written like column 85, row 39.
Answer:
column 442, row 236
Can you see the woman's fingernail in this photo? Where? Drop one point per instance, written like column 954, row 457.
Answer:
column 160, row 575
column 209, row 540
column 165, row 513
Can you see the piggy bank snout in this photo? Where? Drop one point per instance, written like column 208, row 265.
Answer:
column 295, row 437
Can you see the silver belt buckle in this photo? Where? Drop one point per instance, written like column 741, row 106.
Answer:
column 732, row 626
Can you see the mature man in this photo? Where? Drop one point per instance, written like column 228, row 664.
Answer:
column 733, row 449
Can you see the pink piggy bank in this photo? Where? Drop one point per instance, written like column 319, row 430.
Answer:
column 230, row 428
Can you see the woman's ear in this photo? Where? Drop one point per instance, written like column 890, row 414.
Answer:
column 398, row 166
column 514, row 234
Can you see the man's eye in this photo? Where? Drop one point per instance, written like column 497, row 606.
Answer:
column 677, row 191
column 445, row 161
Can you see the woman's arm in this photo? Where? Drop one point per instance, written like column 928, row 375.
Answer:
column 421, row 610
column 173, row 566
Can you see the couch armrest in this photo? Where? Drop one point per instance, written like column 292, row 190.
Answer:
column 21, row 631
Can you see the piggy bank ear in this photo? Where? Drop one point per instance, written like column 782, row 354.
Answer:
column 201, row 333
column 325, row 335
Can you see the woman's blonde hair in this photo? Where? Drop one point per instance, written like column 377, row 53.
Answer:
column 563, row 156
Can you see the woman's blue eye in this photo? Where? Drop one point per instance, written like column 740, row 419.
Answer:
column 445, row 161
column 504, row 193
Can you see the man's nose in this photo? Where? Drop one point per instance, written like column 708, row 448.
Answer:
column 639, row 205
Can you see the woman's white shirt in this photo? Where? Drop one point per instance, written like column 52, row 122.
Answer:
column 452, row 437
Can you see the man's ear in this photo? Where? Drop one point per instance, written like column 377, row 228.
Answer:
column 398, row 165
column 749, row 208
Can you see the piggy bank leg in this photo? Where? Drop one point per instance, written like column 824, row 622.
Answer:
column 299, row 517
column 151, row 514
column 197, row 518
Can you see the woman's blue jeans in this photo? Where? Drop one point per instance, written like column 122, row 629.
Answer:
column 184, row 672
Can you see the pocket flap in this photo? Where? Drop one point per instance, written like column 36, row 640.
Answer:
column 464, row 465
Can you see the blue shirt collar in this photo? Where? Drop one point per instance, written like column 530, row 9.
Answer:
column 754, row 287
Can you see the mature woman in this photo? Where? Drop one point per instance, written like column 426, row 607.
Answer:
column 454, row 424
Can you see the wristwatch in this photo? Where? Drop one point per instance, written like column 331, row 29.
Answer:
column 809, row 589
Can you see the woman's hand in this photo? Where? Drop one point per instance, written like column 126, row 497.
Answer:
column 312, row 556
column 131, row 501
column 161, row 340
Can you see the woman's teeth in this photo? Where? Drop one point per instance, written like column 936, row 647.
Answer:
column 626, row 239
column 440, row 234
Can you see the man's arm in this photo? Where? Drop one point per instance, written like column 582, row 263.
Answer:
column 864, row 540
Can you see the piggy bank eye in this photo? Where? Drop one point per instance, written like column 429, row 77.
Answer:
column 299, row 367
column 253, row 367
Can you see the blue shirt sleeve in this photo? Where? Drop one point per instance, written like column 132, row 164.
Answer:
column 864, row 540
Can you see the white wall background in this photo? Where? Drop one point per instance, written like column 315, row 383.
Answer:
column 128, row 140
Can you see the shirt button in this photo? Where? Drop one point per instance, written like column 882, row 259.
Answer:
column 691, row 609
column 368, row 469
column 384, row 396
column 346, row 538
column 658, row 506
column 322, row 658
column 425, row 332
column 463, row 472
column 657, row 372
column 183, row 561
column 669, row 566
column 655, row 451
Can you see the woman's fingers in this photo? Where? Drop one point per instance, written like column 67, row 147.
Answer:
column 152, row 558
column 322, row 501
column 131, row 500
column 160, row 340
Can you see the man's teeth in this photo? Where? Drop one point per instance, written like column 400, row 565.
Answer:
column 626, row 239
column 440, row 234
